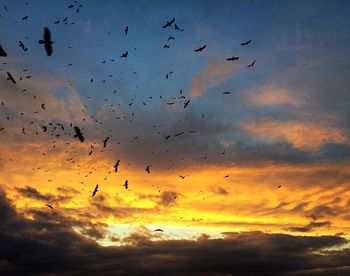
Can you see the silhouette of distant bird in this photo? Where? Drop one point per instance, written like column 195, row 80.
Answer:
column 200, row 49
column 47, row 41
column 166, row 46
column 95, row 191
column 186, row 103
column 233, row 58
column 10, row 78
column 25, row 49
column 78, row 134
column 126, row 184
column 124, row 55
column 126, row 30
column 147, row 169
column 169, row 23
column 116, row 166
column 252, row 64
column 226, row 93
column 25, row 17
column 178, row 29
column 158, row 230
column 2, row 52
column 44, row 128
column 50, row 206
column 43, row 106
column 170, row 38
column 246, row 43
column 105, row 142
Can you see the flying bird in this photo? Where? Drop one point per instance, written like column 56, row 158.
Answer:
column 50, row 206
column 78, row 134
column 226, row 93
column 47, row 41
column 158, row 230
column 170, row 38
column 178, row 29
column 233, row 58
column 25, row 49
column 147, row 169
column 2, row 52
column 252, row 64
column 246, row 43
column 169, row 23
column 200, row 49
column 95, row 191
column 126, row 30
column 126, row 184
column 43, row 106
column 105, row 142
column 124, row 55
column 10, row 78
column 186, row 103
column 116, row 166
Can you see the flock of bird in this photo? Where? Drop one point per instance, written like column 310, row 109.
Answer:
column 77, row 131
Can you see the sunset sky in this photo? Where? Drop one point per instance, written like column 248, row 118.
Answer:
column 262, row 170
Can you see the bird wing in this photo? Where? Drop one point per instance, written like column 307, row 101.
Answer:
column 47, row 34
column 48, row 49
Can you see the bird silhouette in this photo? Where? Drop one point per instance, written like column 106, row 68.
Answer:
column 186, row 103
column 125, row 55
column 10, row 78
column 126, row 30
column 105, row 142
column 147, row 169
column 169, row 23
column 252, row 64
column 78, row 134
column 47, row 41
column 126, row 184
column 158, row 230
column 95, row 191
column 233, row 58
column 116, row 166
column 246, row 43
column 200, row 49
column 2, row 52
column 25, row 49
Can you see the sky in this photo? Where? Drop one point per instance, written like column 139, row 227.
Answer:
column 243, row 160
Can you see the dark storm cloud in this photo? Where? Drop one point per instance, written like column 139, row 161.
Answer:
column 48, row 245
column 33, row 193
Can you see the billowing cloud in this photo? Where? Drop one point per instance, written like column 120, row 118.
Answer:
column 272, row 95
column 215, row 73
column 54, row 238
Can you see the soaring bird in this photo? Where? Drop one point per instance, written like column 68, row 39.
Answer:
column 200, row 49
column 43, row 106
column 95, row 191
column 124, row 55
column 226, row 93
column 47, row 41
column 116, row 166
column 105, row 142
column 126, row 184
column 147, row 169
column 246, row 43
column 169, row 23
column 24, row 48
column 2, row 52
column 252, row 64
column 170, row 38
column 158, row 230
column 178, row 29
column 78, row 134
column 126, row 30
column 186, row 103
column 233, row 58
column 50, row 206
column 10, row 78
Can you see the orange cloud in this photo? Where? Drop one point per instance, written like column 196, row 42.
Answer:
column 272, row 95
column 302, row 135
column 213, row 74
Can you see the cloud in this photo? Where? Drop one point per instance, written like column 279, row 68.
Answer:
column 59, row 249
column 309, row 227
column 302, row 135
column 215, row 73
column 33, row 193
column 272, row 95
